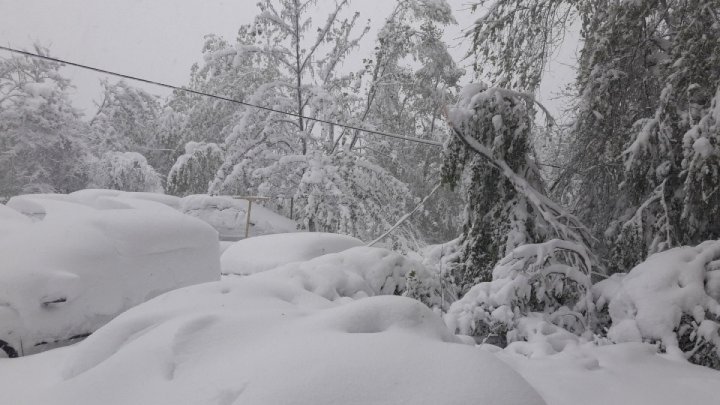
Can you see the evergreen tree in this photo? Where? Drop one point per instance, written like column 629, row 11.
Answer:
column 490, row 158
column 641, row 167
column 671, row 160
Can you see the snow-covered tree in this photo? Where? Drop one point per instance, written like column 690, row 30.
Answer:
column 641, row 166
column 333, row 187
column 513, row 40
column 410, row 78
column 671, row 162
column 168, row 144
column 126, row 119
column 42, row 137
column 126, row 171
column 490, row 158
column 194, row 170
column 232, row 70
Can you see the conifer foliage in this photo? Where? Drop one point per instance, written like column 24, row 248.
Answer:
column 490, row 158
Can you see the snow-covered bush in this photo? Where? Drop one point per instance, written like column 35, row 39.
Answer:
column 551, row 278
column 436, row 288
column 672, row 298
column 193, row 171
column 366, row 271
column 126, row 171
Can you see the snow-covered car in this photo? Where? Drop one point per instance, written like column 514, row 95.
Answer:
column 261, row 253
column 74, row 267
column 228, row 215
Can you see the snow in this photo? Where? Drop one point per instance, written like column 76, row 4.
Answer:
column 703, row 147
column 261, row 253
column 649, row 301
column 76, row 267
column 530, row 273
column 228, row 216
column 629, row 373
column 326, row 330
column 89, row 196
column 292, row 335
column 11, row 221
column 316, row 319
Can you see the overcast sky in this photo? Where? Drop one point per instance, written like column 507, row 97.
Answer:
column 161, row 39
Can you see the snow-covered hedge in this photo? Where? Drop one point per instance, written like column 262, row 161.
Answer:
column 75, row 267
column 672, row 298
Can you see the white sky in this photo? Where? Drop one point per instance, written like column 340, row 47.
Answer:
column 161, row 39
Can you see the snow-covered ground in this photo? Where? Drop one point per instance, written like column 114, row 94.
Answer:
column 315, row 320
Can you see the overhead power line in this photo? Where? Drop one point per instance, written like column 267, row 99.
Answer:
column 215, row 96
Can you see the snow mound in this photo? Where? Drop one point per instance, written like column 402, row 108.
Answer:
column 76, row 267
column 290, row 335
column 673, row 297
column 261, row 253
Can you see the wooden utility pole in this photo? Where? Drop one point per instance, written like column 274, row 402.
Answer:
column 250, row 200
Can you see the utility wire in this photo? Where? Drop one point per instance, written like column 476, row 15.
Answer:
column 200, row 93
